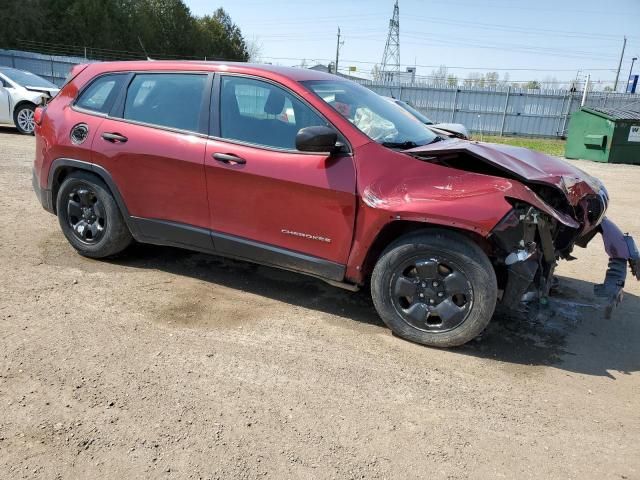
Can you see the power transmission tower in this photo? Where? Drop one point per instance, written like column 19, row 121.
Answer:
column 391, row 58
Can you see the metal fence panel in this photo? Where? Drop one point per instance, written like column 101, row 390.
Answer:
column 502, row 110
column 51, row 67
column 490, row 110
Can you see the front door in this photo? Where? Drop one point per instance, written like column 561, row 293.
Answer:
column 270, row 202
column 155, row 154
column 5, row 108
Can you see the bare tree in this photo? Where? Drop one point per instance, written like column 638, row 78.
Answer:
column 491, row 79
column 375, row 72
column 439, row 76
column 254, row 49
column 550, row 82
column 505, row 79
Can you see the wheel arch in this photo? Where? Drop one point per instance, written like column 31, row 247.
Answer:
column 23, row 102
column 16, row 109
column 61, row 168
column 396, row 229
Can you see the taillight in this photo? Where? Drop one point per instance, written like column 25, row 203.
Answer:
column 38, row 114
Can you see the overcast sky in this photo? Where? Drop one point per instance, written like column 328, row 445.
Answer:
column 552, row 37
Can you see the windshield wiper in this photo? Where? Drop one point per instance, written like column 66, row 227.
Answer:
column 410, row 144
column 404, row 145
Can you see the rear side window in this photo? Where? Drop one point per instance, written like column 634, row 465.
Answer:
column 101, row 94
column 166, row 99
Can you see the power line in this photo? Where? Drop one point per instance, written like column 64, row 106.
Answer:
column 451, row 67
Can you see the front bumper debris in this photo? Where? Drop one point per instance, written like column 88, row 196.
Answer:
column 528, row 245
column 622, row 251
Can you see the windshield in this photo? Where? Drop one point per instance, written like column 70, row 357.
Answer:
column 419, row 115
column 26, row 79
column 376, row 117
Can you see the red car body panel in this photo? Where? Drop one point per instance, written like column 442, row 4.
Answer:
column 160, row 173
column 276, row 196
column 329, row 207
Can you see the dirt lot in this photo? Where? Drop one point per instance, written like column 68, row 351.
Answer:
column 167, row 363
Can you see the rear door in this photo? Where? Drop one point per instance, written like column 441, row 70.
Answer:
column 71, row 133
column 269, row 201
column 153, row 145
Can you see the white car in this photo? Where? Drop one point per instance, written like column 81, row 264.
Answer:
column 20, row 93
column 450, row 129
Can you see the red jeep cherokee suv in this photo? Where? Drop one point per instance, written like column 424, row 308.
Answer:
column 312, row 173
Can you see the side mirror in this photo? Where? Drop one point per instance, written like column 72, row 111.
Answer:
column 319, row 139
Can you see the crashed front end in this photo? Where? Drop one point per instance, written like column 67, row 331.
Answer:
column 529, row 242
column 559, row 207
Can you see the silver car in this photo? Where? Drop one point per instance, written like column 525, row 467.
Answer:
column 449, row 129
column 20, row 93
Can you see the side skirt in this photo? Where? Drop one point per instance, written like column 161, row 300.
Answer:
column 162, row 232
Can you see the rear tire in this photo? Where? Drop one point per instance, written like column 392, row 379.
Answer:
column 89, row 216
column 23, row 118
column 436, row 288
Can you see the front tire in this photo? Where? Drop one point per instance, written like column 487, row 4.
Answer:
column 436, row 288
column 90, row 218
column 24, row 120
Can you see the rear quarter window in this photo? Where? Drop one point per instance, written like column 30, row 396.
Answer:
column 101, row 93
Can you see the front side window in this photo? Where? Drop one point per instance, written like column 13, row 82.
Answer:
column 100, row 95
column 379, row 119
column 171, row 100
column 261, row 113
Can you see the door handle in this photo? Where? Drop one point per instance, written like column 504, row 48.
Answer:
column 114, row 137
column 229, row 158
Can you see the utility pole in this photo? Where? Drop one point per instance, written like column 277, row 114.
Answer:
column 337, row 52
column 615, row 85
column 584, row 92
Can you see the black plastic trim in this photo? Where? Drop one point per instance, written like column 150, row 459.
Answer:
column 241, row 248
column 43, row 194
column 205, row 106
column 214, row 108
column 117, row 108
column 164, row 232
column 102, row 173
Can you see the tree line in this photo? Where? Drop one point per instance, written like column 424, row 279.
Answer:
column 118, row 28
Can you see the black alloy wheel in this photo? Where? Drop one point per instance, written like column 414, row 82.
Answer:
column 90, row 217
column 435, row 287
column 431, row 294
column 85, row 214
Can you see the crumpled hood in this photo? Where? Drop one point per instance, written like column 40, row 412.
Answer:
column 523, row 164
column 52, row 92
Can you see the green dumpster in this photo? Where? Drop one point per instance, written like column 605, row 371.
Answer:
column 604, row 135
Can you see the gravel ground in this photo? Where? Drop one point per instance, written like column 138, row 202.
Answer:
column 171, row 364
